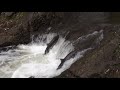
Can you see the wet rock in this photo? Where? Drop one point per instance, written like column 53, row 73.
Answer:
column 93, row 64
column 7, row 48
column 95, row 75
column 67, row 74
column 18, row 29
column 31, row 77
column 8, row 14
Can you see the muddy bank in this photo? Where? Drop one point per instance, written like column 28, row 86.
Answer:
column 17, row 28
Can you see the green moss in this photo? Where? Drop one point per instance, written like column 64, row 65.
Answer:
column 118, row 64
column 114, row 18
column 17, row 17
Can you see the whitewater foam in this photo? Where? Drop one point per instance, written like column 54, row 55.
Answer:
column 29, row 60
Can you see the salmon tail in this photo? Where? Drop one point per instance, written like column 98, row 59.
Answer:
column 62, row 59
column 61, row 64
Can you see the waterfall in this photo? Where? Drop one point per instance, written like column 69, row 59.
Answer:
column 29, row 60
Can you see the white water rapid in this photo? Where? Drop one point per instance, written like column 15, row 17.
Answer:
column 29, row 60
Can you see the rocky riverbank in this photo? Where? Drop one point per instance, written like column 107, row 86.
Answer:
column 17, row 27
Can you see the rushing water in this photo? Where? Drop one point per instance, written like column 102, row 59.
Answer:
column 29, row 60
